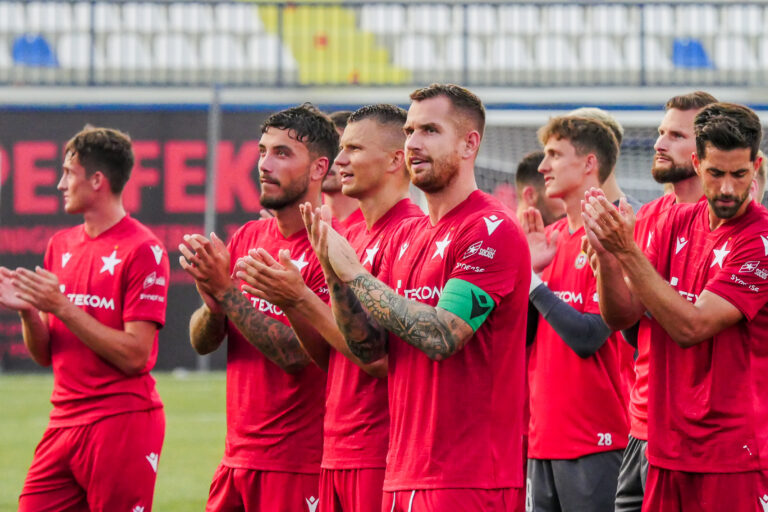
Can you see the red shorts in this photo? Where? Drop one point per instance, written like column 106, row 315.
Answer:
column 105, row 466
column 455, row 500
column 253, row 490
column 673, row 491
column 351, row 490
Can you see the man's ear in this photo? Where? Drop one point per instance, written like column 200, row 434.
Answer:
column 319, row 168
column 471, row 144
column 98, row 180
column 529, row 195
column 396, row 161
column 696, row 162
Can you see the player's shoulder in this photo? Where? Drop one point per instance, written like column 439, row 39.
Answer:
column 67, row 233
column 482, row 211
column 657, row 206
column 254, row 227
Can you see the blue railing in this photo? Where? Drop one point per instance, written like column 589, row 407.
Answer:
column 302, row 43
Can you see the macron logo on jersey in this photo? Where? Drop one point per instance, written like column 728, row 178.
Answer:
column 764, row 502
column 153, row 459
column 765, row 244
column 681, row 241
column 312, row 503
column 403, row 248
column 65, row 259
column 137, row 508
column 492, row 223
column 157, row 251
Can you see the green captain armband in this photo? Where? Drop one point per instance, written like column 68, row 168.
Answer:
column 467, row 301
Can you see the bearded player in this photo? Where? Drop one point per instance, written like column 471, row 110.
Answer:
column 93, row 313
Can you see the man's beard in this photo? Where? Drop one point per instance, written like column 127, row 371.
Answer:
column 290, row 195
column 674, row 174
column 727, row 212
column 331, row 183
column 442, row 174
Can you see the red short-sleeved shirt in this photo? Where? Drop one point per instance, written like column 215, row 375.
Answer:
column 117, row 277
column 356, row 427
column 708, row 404
column 354, row 218
column 578, row 405
column 457, row 423
column 274, row 419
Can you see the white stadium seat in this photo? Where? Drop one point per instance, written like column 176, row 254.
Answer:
column 555, row 53
column 238, row 19
column 221, row 51
column 383, row 19
column 266, row 52
column 12, row 18
column 482, row 19
column 74, row 51
column 417, row 52
column 454, row 53
column 734, row 53
column 127, row 51
column 81, row 16
column 430, row 19
column 106, row 17
column 190, row 17
column 697, row 20
column 145, row 17
column 600, row 53
column 519, row 19
column 564, row 19
column 656, row 59
column 174, row 51
column 48, row 17
column 747, row 20
column 510, row 53
column 610, row 19
column 658, row 19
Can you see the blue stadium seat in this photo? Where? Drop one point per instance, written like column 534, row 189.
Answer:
column 33, row 50
column 689, row 53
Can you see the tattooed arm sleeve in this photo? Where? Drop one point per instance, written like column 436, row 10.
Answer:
column 274, row 339
column 365, row 338
column 436, row 332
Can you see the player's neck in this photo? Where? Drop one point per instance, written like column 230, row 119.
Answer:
column 379, row 203
column 611, row 188
column 688, row 190
column 443, row 201
column 573, row 201
column 341, row 206
column 101, row 217
column 289, row 219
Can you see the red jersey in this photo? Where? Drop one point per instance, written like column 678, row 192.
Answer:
column 274, row 419
column 708, row 404
column 354, row 218
column 457, row 423
column 117, row 277
column 647, row 218
column 578, row 405
column 356, row 427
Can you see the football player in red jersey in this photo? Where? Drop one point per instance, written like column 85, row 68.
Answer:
column 274, row 392
column 93, row 313
column 579, row 370
column 449, row 312
column 702, row 282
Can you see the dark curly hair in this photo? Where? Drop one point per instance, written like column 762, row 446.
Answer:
column 106, row 150
column 309, row 126
column 727, row 126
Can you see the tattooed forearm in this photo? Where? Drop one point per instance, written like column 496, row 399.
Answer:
column 274, row 339
column 429, row 329
column 365, row 339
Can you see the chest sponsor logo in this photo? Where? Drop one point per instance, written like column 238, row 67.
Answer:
column 423, row 293
column 65, row 259
column 690, row 297
column 94, row 301
column 736, row 279
column 157, row 252
column 569, row 297
column 491, row 223
column 477, row 248
column 681, row 242
column 110, row 262
column 264, row 306
column 749, row 267
column 312, row 503
column 581, row 260
column 152, row 279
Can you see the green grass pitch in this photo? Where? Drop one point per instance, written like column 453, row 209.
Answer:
column 194, row 435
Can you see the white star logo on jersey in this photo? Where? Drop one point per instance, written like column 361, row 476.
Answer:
column 153, row 459
column 765, row 244
column 65, row 259
column 720, row 255
column 492, row 223
column 403, row 248
column 158, row 252
column 109, row 263
column 312, row 503
column 681, row 241
column 370, row 253
column 301, row 262
column 441, row 247
column 650, row 237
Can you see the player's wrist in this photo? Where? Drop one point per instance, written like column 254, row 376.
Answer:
column 535, row 281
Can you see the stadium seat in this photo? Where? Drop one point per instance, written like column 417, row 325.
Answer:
column 658, row 19
column 33, row 50
column 509, row 53
column 482, row 19
column 762, row 54
column 689, row 53
column 238, row 19
column 81, row 16
column 430, row 19
column 747, row 20
column 5, row 57
column 74, row 51
column 454, row 53
column 127, row 51
column 555, row 53
column 106, row 17
column 48, row 17
column 519, row 19
column 734, row 53
column 611, row 19
column 221, row 51
column 11, row 17
column 145, row 18
column 266, row 52
column 655, row 58
column 600, row 53
column 417, row 52
column 383, row 19
column 174, row 51
column 564, row 19
column 190, row 17
column 696, row 20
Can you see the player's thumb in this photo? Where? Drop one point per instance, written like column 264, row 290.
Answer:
column 285, row 258
column 624, row 207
